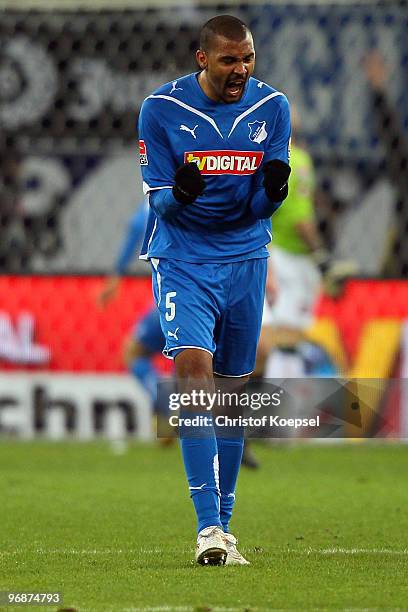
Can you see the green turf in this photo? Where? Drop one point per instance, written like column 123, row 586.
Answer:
column 324, row 527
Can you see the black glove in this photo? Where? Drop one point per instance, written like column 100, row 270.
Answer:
column 189, row 184
column 276, row 174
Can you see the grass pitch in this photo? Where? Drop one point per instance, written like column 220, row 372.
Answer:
column 325, row 527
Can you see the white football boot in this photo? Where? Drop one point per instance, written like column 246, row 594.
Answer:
column 211, row 547
column 234, row 557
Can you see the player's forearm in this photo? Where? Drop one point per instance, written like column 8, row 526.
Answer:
column 275, row 189
column 261, row 206
column 164, row 204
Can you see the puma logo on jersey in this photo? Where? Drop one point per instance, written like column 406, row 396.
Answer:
column 173, row 334
column 174, row 87
column 184, row 128
column 225, row 162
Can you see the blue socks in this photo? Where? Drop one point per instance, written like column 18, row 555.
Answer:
column 212, row 466
column 230, row 455
column 200, row 455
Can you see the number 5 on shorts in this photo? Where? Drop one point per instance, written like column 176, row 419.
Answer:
column 171, row 306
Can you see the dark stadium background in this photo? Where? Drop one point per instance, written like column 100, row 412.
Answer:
column 72, row 81
column 92, row 505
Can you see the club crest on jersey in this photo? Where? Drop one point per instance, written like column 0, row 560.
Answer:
column 143, row 153
column 225, row 162
column 257, row 131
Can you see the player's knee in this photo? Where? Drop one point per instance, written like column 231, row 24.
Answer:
column 194, row 364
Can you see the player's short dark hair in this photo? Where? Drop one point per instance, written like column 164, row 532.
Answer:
column 223, row 25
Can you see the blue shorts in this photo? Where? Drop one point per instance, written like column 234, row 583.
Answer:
column 216, row 307
column 149, row 333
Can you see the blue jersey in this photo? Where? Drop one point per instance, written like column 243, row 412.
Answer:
column 229, row 142
column 133, row 237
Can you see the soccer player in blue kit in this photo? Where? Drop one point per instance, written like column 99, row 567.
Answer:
column 214, row 149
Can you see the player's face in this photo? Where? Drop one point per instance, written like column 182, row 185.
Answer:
column 226, row 68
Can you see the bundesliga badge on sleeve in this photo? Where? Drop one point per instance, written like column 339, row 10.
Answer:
column 143, row 153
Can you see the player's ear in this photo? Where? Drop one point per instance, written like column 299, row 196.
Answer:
column 201, row 58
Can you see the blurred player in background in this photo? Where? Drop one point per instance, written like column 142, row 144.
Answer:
column 147, row 339
column 213, row 153
column 293, row 282
column 298, row 266
column 394, row 140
